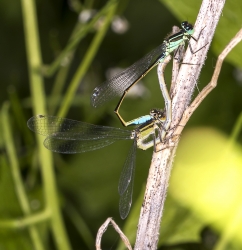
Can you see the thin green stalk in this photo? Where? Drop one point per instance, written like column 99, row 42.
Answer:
column 50, row 70
column 19, row 186
column 57, row 88
column 86, row 62
column 236, row 129
column 26, row 221
column 80, row 225
column 62, row 74
column 234, row 135
column 38, row 99
column 63, row 70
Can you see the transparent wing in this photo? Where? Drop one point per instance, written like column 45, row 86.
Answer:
column 73, row 130
column 118, row 84
column 70, row 136
column 127, row 171
column 126, row 182
column 70, row 146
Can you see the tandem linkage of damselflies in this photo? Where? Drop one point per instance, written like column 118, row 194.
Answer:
column 70, row 137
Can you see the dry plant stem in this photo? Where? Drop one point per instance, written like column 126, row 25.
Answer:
column 158, row 179
column 176, row 63
column 151, row 211
column 206, row 23
column 211, row 85
column 155, row 194
column 103, row 229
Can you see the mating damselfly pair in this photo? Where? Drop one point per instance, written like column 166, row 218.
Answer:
column 70, row 136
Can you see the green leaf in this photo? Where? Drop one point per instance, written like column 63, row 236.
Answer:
column 206, row 179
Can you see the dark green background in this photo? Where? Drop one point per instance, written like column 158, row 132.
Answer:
column 88, row 182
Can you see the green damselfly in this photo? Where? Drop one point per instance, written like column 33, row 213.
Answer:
column 120, row 84
column 70, row 137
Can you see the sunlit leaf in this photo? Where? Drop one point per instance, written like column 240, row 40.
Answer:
column 207, row 179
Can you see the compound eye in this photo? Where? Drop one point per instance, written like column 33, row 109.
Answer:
column 186, row 26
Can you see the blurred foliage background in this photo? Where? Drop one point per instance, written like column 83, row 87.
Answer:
column 82, row 43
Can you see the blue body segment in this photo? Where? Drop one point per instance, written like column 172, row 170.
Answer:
column 140, row 120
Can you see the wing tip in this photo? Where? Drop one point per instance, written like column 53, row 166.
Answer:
column 31, row 121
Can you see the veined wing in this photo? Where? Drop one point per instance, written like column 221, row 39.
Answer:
column 72, row 129
column 119, row 83
column 126, row 182
column 70, row 136
column 60, row 143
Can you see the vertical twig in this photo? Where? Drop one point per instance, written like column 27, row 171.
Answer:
column 151, row 211
column 38, row 98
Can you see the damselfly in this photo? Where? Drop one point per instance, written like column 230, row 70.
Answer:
column 69, row 137
column 120, row 84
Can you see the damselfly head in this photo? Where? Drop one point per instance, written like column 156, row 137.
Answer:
column 187, row 26
column 157, row 114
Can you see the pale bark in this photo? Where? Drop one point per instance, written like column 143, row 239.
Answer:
column 182, row 91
